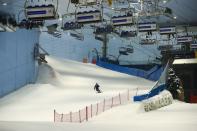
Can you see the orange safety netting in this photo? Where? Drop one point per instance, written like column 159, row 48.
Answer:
column 92, row 110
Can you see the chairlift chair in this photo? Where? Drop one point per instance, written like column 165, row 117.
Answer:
column 123, row 51
column 130, row 49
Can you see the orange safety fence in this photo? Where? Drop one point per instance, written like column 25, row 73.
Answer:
column 92, row 110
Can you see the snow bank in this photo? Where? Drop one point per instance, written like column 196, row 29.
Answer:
column 47, row 75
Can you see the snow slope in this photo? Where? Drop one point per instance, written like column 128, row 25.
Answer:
column 67, row 86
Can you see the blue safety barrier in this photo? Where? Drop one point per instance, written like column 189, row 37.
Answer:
column 152, row 93
column 159, row 86
column 153, row 74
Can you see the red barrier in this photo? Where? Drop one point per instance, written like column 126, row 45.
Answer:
column 92, row 110
column 193, row 99
column 93, row 61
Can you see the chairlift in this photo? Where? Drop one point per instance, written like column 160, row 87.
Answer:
column 77, row 35
column 84, row 2
column 99, row 37
column 123, row 51
column 41, row 12
column 29, row 24
column 129, row 49
column 147, row 27
column 165, row 47
column 57, row 34
column 87, row 17
column 184, row 39
column 128, row 34
column 122, row 20
column 103, row 30
column 167, row 30
column 147, row 42
column 72, row 26
column 112, row 57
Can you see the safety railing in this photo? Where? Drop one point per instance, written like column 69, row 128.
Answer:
column 92, row 110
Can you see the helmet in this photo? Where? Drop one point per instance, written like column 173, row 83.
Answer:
column 171, row 71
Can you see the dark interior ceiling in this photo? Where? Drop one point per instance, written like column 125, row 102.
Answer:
column 184, row 10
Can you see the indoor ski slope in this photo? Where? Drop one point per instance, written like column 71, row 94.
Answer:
column 67, row 86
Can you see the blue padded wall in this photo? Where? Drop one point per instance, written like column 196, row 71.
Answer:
column 17, row 65
column 153, row 74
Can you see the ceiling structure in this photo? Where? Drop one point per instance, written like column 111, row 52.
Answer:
column 183, row 11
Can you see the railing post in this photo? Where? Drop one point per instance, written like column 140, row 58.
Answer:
column 91, row 110
column 112, row 102
column 79, row 116
column 136, row 91
column 71, row 116
column 104, row 105
column 128, row 94
column 86, row 113
column 119, row 98
column 62, row 117
column 54, row 115
column 97, row 109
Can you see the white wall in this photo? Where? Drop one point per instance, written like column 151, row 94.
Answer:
column 70, row 48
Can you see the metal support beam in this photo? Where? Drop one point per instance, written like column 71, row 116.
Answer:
column 104, row 48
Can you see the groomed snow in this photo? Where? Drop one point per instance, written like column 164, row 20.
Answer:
column 67, row 86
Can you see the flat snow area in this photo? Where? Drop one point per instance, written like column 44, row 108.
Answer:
column 67, row 86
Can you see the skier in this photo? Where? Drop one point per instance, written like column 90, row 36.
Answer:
column 96, row 87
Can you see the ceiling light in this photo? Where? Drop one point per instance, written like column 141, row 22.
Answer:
column 174, row 17
column 4, row 4
column 164, row 1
